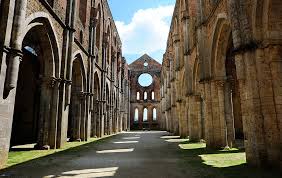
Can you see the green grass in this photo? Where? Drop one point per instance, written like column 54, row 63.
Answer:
column 206, row 163
column 18, row 157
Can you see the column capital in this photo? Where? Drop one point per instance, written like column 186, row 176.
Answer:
column 14, row 51
column 185, row 15
column 220, row 83
column 49, row 82
column 176, row 38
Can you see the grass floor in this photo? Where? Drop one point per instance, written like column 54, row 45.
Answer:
column 205, row 163
column 18, row 157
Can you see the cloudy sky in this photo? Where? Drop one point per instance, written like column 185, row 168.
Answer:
column 143, row 26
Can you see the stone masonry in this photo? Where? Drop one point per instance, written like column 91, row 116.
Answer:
column 223, row 63
column 62, row 74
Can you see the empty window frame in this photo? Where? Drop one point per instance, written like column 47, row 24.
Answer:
column 136, row 116
column 145, row 95
column 153, row 95
column 145, row 115
column 154, row 114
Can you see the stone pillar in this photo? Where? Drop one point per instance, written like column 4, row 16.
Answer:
column 251, row 112
column 209, row 132
column 276, row 72
column 77, row 109
column 83, row 118
column 176, row 41
column 55, row 84
column 194, row 119
column 44, row 113
column 229, row 117
column 99, row 118
column 185, row 21
column 221, row 121
column 14, row 59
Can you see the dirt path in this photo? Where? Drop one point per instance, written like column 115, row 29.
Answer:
column 127, row 155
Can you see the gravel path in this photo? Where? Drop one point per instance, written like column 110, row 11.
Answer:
column 126, row 155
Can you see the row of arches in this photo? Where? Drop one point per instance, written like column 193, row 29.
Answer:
column 214, row 79
column 145, row 115
column 56, row 90
column 145, row 96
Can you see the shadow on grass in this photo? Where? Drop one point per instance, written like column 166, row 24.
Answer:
column 66, row 154
column 209, row 163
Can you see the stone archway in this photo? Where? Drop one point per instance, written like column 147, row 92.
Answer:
column 227, row 97
column 96, row 122
column 76, row 123
column 36, row 103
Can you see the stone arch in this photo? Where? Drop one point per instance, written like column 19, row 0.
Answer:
column 98, row 33
column 96, row 120
column 266, row 19
column 76, row 119
column 221, row 34
column 183, row 5
column 223, row 72
column 196, row 76
column 43, row 20
column 37, row 89
column 79, row 57
column 108, row 36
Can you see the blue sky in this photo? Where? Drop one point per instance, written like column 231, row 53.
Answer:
column 143, row 26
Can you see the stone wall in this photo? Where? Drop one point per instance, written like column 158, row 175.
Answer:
column 73, row 70
column 145, row 65
column 230, row 77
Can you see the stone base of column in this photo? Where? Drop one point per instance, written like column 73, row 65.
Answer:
column 42, row 147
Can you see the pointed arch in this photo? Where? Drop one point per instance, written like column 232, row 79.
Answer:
column 42, row 21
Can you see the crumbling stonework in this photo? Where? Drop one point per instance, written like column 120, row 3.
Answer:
column 145, row 100
column 223, row 64
column 62, row 74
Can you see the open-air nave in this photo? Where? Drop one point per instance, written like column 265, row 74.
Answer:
column 171, row 89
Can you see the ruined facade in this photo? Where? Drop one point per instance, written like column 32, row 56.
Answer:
column 62, row 75
column 145, row 98
column 221, row 76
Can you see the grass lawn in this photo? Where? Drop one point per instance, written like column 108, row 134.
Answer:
column 206, row 163
column 17, row 157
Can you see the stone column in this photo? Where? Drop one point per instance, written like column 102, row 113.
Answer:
column 276, row 72
column 83, row 115
column 77, row 109
column 99, row 119
column 186, row 112
column 209, row 132
column 55, row 84
column 14, row 59
column 176, row 41
column 229, row 117
column 194, row 119
column 221, row 128
column 44, row 113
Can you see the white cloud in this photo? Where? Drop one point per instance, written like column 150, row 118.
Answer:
column 147, row 32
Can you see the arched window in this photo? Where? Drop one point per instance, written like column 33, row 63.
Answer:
column 153, row 95
column 138, row 96
column 145, row 115
column 136, row 117
column 154, row 114
column 145, row 95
